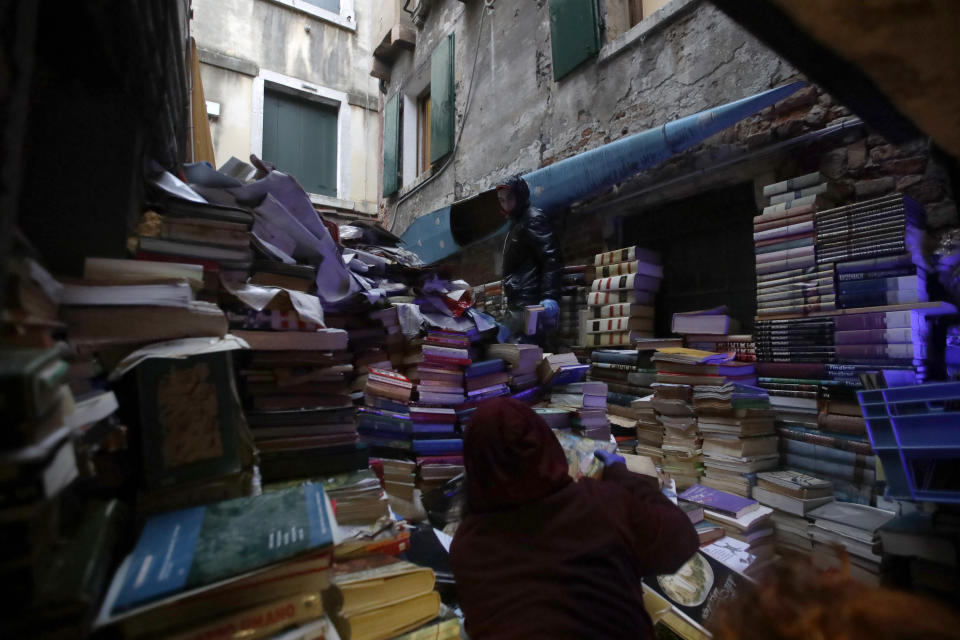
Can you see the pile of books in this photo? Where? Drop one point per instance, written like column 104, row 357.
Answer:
column 489, row 299
column 588, row 403
column 573, row 304
column 789, row 277
column 237, row 563
column 216, row 237
column 623, row 285
column 120, row 305
column 54, row 546
column 649, row 428
column 381, row 597
column 854, row 527
column 739, row 438
column 486, row 379
column 742, row 519
column 522, row 360
column 296, row 386
column 628, row 372
column 877, row 248
column 681, row 442
column 792, row 494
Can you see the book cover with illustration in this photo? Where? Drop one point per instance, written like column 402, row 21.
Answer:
column 700, row 587
column 191, row 421
column 192, row 548
column 579, row 452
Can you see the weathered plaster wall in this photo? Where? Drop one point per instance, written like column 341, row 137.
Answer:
column 231, row 129
column 242, row 38
column 521, row 119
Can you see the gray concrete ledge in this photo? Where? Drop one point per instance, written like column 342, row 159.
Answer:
column 364, row 208
column 660, row 18
column 230, row 63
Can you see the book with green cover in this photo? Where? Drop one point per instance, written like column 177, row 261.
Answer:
column 192, row 548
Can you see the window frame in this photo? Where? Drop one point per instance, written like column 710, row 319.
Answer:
column 346, row 18
column 312, row 92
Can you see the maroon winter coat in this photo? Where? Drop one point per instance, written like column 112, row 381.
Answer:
column 540, row 556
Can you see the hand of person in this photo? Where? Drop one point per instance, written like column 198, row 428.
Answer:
column 608, row 458
column 551, row 310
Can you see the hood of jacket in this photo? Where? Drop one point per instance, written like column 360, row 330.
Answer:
column 516, row 185
column 511, row 457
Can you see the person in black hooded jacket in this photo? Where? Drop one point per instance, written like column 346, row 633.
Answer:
column 532, row 262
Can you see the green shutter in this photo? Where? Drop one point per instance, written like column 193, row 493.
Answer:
column 300, row 138
column 442, row 102
column 391, row 145
column 574, row 34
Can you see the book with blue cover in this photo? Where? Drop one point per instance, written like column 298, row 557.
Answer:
column 719, row 501
column 192, row 548
column 484, row 367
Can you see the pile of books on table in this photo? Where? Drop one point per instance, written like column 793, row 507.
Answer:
column 792, row 495
column 742, row 519
column 573, row 304
column 587, row 401
column 621, row 298
column 854, row 527
column 522, row 361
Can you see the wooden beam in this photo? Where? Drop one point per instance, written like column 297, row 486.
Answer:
column 404, row 36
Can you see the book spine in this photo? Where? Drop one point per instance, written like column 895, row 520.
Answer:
column 875, row 264
column 628, row 254
column 799, row 308
column 879, row 320
column 794, row 297
column 799, row 182
column 842, row 255
column 794, row 228
column 859, row 447
column 878, row 285
column 785, row 254
column 612, row 339
column 614, row 359
column 822, row 277
column 786, row 264
column 838, row 423
column 818, row 467
column 789, row 204
column 796, row 194
column 839, row 456
column 881, row 299
column 901, row 351
column 795, row 243
column 867, row 276
column 902, row 335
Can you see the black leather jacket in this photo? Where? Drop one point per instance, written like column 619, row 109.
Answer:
column 532, row 262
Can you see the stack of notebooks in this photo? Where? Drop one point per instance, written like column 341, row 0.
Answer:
column 216, row 237
column 486, row 379
column 789, row 277
column 225, row 561
column 742, row 518
column 649, row 428
column 588, row 403
column 681, row 442
column 53, row 551
column 628, row 372
column 739, row 438
column 742, row 345
column 877, row 248
column 522, row 361
column 394, row 427
column 624, row 283
column 298, row 394
column 854, row 527
column 573, row 303
column 123, row 304
column 380, row 597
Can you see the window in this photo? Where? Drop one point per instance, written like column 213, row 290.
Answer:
column 339, row 12
column 423, row 132
column 574, row 34
column 300, row 138
column 418, row 129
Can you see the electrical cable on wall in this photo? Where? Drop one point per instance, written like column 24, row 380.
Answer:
column 487, row 5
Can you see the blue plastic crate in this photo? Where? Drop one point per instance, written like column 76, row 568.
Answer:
column 915, row 432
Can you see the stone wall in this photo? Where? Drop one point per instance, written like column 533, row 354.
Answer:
column 692, row 59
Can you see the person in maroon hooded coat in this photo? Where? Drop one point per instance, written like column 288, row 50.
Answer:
column 540, row 556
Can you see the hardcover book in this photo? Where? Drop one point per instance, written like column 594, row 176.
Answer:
column 182, row 550
column 191, row 422
column 719, row 501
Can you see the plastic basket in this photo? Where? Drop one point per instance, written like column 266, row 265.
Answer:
column 915, row 432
